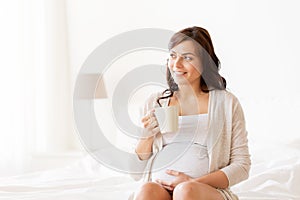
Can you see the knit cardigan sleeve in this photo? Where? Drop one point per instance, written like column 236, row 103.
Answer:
column 239, row 162
column 145, row 166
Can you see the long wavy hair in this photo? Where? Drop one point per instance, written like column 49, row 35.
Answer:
column 210, row 78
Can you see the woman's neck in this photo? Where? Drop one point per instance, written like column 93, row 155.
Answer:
column 187, row 91
column 191, row 101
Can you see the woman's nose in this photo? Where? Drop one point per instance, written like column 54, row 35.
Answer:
column 178, row 62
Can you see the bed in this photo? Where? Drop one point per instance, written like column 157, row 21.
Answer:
column 274, row 175
column 277, row 177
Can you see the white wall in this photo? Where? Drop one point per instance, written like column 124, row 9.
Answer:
column 257, row 42
column 43, row 41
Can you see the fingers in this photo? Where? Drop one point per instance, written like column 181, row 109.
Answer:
column 165, row 184
column 168, row 187
column 148, row 115
column 150, row 124
column 150, row 121
column 155, row 130
column 162, row 182
column 179, row 178
column 173, row 172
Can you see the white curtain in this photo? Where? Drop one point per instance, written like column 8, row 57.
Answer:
column 36, row 94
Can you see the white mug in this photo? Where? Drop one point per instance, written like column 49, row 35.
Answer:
column 167, row 118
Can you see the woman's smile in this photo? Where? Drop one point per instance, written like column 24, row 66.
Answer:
column 179, row 73
column 184, row 64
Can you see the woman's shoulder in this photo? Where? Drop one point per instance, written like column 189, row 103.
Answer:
column 226, row 95
column 227, row 99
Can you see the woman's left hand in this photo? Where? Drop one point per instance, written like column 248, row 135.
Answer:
column 179, row 178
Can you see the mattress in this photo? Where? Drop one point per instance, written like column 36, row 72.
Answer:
column 273, row 175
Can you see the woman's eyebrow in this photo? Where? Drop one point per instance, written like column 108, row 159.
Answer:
column 184, row 53
column 188, row 53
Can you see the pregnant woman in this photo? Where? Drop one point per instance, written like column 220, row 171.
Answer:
column 209, row 152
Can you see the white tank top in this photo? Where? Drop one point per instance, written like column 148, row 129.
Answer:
column 190, row 128
column 184, row 150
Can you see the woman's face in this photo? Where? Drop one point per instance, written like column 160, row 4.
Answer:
column 185, row 64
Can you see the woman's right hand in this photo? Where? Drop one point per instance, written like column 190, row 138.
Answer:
column 150, row 125
column 150, row 129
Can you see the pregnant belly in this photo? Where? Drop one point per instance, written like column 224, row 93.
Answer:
column 193, row 161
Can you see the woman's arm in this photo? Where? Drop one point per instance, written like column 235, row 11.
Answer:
column 144, row 148
column 239, row 165
column 215, row 179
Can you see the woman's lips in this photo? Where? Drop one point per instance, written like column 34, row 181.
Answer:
column 179, row 73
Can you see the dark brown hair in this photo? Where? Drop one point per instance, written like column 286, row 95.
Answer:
column 210, row 78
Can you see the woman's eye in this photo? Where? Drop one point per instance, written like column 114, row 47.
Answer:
column 187, row 58
column 172, row 55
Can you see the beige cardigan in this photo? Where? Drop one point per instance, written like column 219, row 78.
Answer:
column 227, row 141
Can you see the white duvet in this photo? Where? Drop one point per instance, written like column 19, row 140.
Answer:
column 275, row 174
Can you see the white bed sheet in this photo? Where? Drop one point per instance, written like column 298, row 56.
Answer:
column 85, row 179
column 277, row 177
